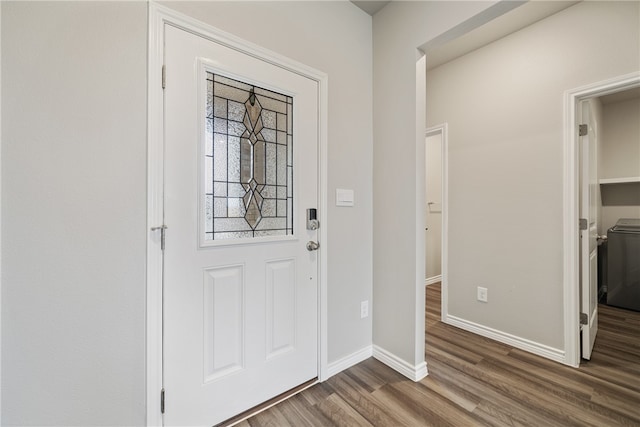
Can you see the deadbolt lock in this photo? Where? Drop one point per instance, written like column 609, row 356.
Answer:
column 312, row 219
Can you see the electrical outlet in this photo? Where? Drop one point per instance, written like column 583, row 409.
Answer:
column 364, row 309
column 482, row 294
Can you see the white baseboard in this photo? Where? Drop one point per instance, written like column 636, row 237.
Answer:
column 414, row 373
column 431, row 280
column 512, row 340
column 348, row 361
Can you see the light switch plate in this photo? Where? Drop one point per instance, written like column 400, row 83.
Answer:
column 344, row 197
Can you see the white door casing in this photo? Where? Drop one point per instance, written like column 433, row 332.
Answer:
column 571, row 208
column 275, row 265
column 588, row 235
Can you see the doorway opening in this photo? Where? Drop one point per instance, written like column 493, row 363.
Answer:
column 579, row 284
column 436, row 209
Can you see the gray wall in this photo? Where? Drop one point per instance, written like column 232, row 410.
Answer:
column 621, row 149
column 620, row 159
column 74, row 193
column 73, row 213
column 504, row 106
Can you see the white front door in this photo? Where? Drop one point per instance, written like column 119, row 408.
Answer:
column 589, row 233
column 240, row 287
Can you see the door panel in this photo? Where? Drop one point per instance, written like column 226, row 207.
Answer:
column 280, row 303
column 588, row 238
column 433, row 211
column 240, row 288
column 223, row 312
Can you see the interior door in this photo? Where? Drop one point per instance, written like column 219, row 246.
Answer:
column 433, row 212
column 589, row 232
column 240, row 286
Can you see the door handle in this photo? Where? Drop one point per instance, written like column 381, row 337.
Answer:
column 312, row 246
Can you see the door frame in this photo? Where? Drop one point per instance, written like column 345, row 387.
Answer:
column 571, row 189
column 158, row 16
column 443, row 131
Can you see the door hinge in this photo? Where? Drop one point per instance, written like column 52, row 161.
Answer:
column 164, row 77
column 584, row 225
column 582, row 129
column 162, row 401
column 162, row 229
column 584, row 319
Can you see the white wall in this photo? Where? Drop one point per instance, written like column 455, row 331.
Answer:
column 504, row 106
column 73, row 213
column 74, row 192
column 620, row 159
column 621, row 155
column 595, row 106
column 398, row 181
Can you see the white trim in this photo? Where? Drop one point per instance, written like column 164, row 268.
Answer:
column 523, row 344
column 155, row 203
column 571, row 259
column 413, row 372
column 443, row 130
column 0, row 216
column 620, row 180
column 419, row 208
column 431, row 280
column 158, row 17
column 349, row 361
column 323, row 183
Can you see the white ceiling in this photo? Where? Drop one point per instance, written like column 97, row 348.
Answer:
column 512, row 21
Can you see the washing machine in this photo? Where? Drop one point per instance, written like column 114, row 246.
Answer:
column 623, row 264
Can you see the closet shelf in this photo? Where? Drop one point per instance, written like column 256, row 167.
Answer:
column 620, row 180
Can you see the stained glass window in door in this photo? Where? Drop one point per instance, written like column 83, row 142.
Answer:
column 248, row 161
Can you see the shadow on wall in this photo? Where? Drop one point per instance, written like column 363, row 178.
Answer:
column 624, row 194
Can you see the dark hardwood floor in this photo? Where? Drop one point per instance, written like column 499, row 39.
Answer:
column 477, row 381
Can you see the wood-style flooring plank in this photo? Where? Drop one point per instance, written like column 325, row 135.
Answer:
column 297, row 412
column 451, row 393
column 363, row 401
column 475, row 381
column 442, row 410
column 341, row 414
column 507, row 394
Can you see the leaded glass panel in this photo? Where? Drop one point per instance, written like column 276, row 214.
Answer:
column 248, row 161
